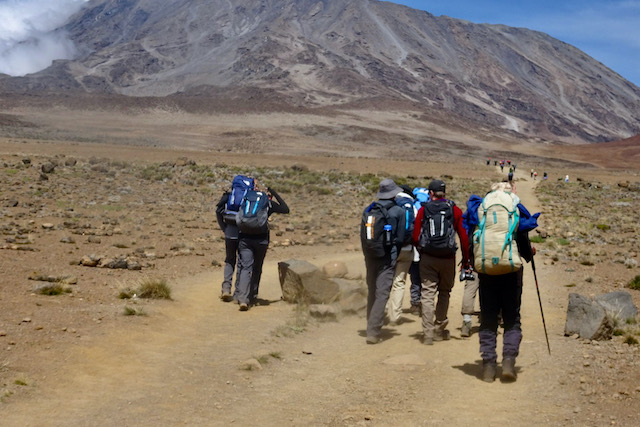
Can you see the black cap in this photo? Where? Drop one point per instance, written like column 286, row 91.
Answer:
column 437, row 186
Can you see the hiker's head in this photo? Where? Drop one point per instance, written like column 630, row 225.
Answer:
column 502, row 186
column 388, row 189
column 437, row 189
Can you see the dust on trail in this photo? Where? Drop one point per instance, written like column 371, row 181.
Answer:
column 183, row 365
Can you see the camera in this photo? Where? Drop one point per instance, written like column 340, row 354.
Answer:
column 466, row 275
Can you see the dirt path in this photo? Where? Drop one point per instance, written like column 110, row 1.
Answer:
column 183, row 365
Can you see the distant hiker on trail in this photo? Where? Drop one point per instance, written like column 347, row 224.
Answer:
column 253, row 225
column 382, row 235
column 566, row 178
column 434, row 232
column 510, row 176
column 488, row 161
column 545, row 176
column 499, row 241
column 226, row 211
column 405, row 256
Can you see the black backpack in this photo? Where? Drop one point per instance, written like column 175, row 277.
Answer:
column 376, row 234
column 438, row 234
column 253, row 215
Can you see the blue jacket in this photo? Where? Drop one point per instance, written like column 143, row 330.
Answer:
column 470, row 218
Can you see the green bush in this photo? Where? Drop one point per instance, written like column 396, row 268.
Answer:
column 634, row 283
column 537, row 239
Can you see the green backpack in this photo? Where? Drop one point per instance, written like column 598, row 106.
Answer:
column 494, row 248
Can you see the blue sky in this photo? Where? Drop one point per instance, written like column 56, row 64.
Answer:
column 607, row 30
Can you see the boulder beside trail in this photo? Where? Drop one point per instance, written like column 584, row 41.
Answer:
column 587, row 318
column 303, row 282
column 618, row 305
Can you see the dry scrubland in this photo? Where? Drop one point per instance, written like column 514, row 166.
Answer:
column 101, row 227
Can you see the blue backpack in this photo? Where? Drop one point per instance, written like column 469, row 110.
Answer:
column 253, row 215
column 420, row 195
column 239, row 187
column 406, row 203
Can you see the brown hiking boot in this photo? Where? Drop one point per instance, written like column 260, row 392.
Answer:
column 244, row 306
column 489, row 370
column 440, row 333
column 465, row 330
column 509, row 369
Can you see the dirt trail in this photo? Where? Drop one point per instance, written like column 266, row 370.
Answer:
column 183, row 365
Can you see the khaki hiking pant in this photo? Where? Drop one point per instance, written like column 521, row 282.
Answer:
column 394, row 307
column 469, row 296
column 438, row 278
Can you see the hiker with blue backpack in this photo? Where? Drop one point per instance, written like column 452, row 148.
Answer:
column 406, row 256
column 226, row 211
column 437, row 223
column 382, row 235
column 252, row 221
column 500, row 242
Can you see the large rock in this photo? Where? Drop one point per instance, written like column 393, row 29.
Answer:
column 303, row 282
column 336, row 269
column 618, row 305
column 587, row 318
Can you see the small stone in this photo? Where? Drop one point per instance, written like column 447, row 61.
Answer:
column 48, row 226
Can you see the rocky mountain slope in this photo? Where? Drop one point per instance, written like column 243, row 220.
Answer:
column 355, row 53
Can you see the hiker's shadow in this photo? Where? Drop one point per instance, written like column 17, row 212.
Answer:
column 386, row 333
column 471, row 369
column 265, row 302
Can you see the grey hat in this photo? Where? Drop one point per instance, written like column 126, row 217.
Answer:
column 388, row 189
column 437, row 186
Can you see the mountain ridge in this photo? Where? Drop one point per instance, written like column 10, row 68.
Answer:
column 359, row 53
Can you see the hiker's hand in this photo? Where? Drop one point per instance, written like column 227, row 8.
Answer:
column 533, row 250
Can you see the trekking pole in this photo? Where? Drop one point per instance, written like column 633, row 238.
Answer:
column 544, row 324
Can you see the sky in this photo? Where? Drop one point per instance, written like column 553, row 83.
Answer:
column 607, row 30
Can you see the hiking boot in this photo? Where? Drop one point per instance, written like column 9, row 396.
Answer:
column 489, row 370
column 440, row 333
column 509, row 369
column 373, row 340
column 226, row 296
column 465, row 330
column 416, row 309
column 442, row 336
column 427, row 340
column 244, row 306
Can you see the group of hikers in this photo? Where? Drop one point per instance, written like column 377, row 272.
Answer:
column 397, row 232
column 408, row 233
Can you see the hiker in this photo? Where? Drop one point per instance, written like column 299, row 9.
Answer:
column 499, row 242
column 545, row 176
column 253, row 226
column 405, row 257
column 421, row 195
column 382, row 235
column 469, row 220
column 510, row 175
column 566, row 178
column 434, row 232
column 226, row 211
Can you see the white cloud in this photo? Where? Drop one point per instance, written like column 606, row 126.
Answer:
column 29, row 41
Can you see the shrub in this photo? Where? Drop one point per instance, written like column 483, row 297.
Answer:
column 154, row 289
column 634, row 283
column 537, row 239
column 132, row 311
column 149, row 288
column 563, row 242
column 603, row 227
column 631, row 340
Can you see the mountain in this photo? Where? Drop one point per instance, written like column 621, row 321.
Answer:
column 316, row 54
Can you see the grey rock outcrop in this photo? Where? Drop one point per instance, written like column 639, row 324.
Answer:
column 618, row 305
column 303, row 282
column 587, row 318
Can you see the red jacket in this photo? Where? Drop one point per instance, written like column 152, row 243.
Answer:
column 457, row 223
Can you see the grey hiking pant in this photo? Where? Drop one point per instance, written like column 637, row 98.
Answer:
column 231, row 247
column 380, row 272
column 438, row 278
column 469, row 296
column 252, row 252
column 500, row 294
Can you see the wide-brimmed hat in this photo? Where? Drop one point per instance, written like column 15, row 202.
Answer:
column 388, row 189
column 437, row 186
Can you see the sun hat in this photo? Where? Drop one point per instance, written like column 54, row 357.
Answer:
column 388, row 189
